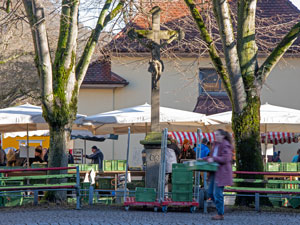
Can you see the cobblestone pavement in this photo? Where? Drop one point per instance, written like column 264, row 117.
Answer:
column 113, row 215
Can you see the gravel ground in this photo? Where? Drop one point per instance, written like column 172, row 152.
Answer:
column 117, row 215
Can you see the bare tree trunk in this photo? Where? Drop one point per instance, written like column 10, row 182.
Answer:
column 242, row 78
column 61, row 79
column 246, row 128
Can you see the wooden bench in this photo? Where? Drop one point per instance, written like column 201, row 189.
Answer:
column 37, row 182
column 264, row 191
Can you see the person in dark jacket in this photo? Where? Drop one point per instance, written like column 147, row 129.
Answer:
column 37, row 155
column 96, row 157
column 3, row 159
column 186, row 151
column 70, row 157
column 174, row 146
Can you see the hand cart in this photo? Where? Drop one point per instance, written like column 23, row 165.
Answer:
column 131, row 201
column 165, row 200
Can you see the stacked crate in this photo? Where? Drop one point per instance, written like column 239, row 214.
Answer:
column 114, row 165
column 145, row 194
column 182, row 183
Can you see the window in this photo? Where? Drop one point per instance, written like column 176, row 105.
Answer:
column 210, row 83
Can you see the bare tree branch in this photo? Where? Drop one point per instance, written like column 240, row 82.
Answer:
column 3, row 61
column 266, row 68
column 35, row 13
column 222, row 14
column 103, row 19
column 216, row 59
column 246, row 44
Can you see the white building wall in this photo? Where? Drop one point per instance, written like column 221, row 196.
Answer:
column 179, row 89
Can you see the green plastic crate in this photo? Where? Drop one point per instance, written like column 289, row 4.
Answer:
column 106, row 200
column 276, row 202
column 145, row 194
column 204, row 166
column 135, row 183
column 182, row 196
column 13, row 198
column 294, row 202
column 182, row 176
column 104, row 183
column 273, row 167
column 182, row 187
column 179, row 166
column 121, row 165
column 288, row 167
column 107, row 165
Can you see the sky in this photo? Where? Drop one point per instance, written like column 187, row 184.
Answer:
column 296, row 3
column 88, row 21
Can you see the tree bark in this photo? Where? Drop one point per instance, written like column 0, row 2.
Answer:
column 61, row 79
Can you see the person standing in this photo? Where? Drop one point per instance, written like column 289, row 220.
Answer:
column 174, row 146
column 221, row 154
column 187, row 152
column 96, row 157
column 170, row 160
column 296, row 157
column 70, row 157
column 204, row 149
column 2, row 157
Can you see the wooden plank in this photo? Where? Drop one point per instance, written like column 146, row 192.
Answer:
column 262, row 190
column 58, row 176
column 258, row 181
column 38, row 186
column 36, row 169
column 269, row 173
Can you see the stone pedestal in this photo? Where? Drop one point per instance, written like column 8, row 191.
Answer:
column 152, row 146
column 153, row 154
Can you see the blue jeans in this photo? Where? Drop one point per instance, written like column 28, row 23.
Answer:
column 216, row 194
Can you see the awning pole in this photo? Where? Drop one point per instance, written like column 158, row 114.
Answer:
column 84, row 151
column 27, row 146
column 127, row 165
column 266, row 144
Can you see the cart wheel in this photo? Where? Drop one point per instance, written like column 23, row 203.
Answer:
column 164, row 209
column 193, row 209
column 126, row 208
column 155, row 209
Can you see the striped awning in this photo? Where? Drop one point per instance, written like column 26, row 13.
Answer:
column 279, row 137
column 272, row 137
column 191, row 136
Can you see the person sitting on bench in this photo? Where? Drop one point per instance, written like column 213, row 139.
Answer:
column 38, row 155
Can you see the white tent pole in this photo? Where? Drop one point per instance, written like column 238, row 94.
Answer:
column 27, row 146
column 266, row 144
column 85, row 151
column 127, row 164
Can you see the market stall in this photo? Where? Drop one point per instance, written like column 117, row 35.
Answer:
column 138, row 119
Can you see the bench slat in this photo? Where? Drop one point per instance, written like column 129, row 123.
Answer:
column 260, row 181
column 58, row 176
column 262, row 190
column 39, row 186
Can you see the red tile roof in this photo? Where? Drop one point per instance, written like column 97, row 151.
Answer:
column 212, row 104
column 176, row 15
column 99, row 72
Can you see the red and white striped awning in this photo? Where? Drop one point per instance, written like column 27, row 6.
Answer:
column 191, row 136
column 272, row 137
column 279, row 137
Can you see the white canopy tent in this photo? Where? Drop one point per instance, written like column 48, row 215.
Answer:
column 272, row 119
column 138, row 119
column 26, row 117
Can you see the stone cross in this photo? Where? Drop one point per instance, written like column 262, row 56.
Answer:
column 154, row 40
